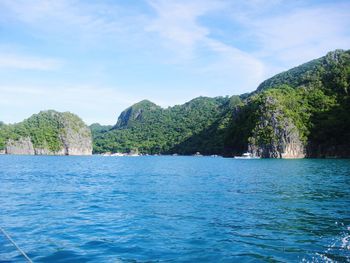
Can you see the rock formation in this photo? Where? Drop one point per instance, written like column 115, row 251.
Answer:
column 21, row 146
column 76, row 142
column 275, row 135
column 50, row 133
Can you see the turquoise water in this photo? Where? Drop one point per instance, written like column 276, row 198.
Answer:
column 174, row 209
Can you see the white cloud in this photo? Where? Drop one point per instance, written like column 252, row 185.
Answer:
column 176, row 23
column 180, row 31
column 93, row 104
column 177, row 41
column 314, row 26
column 15, row 61
column 68, row 21
column 237, row 56
column 296, row 34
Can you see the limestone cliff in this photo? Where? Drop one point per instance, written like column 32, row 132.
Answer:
column 21, row 146
column 275, row 135
column 76, row 139
column 48, row 133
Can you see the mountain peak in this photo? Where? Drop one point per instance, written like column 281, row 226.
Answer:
column 135, row 113
column 301, row 74
column 144, row 104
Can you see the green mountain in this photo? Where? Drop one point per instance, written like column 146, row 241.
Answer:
column 46, row 133
column 97, row 128
column 301, row 112
column 148, row 128
column 138, row 113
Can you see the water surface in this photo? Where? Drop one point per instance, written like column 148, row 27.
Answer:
column 174, row 209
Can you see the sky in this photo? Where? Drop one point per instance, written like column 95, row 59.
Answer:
column 96, row 58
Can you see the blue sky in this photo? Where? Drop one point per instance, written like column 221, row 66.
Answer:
column 95, row 58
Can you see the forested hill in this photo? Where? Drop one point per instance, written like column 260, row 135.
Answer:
column 148, row 128
column 47, row 133
column 294, row 77
column 137, row 113
column 301, row 112
column 328, row 71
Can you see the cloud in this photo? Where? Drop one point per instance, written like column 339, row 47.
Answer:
column 93, row 104
column 15, row 61
column 86, row 23
column 283, row 31
column 302, row 26
column 237, row 63
column 273, row 34
column 173, row 36
column 177, row 24
column 289, row 34
column 166, row 51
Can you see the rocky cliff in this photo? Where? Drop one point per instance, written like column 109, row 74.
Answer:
column 48, row 133
column 76, row 138
column 302, row 112
column 275, row 135
column 21, row 146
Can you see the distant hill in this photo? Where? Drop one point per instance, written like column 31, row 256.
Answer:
column 139, row 112
column 294, row 77
column 148, row 128
column 47, row 133
column 302, row 112
column 97, row 128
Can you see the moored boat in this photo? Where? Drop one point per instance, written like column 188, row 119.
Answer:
column 247, row 155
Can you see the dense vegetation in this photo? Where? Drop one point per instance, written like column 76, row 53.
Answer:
column 310, row 102
column 44, row 129
column 97, row 128
column 313, row 98
column 148, row 128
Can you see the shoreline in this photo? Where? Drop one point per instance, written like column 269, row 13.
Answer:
column 180, row 155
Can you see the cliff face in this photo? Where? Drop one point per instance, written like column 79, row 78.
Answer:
column 22, row 146
column 49, row 133
column 275, row 135
column 303, row 112
column 286, row 143
column 76, row 141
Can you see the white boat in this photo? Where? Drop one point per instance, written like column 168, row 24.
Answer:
column 133, row 155
column 118, row 154
column 247, row 156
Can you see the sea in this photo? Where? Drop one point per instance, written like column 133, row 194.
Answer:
column 174, row 209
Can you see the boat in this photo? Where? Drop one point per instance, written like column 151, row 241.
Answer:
column 118, row 154
column 247, row 155
column 133, row 155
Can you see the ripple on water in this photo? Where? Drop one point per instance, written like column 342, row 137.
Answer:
column 166, row 209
